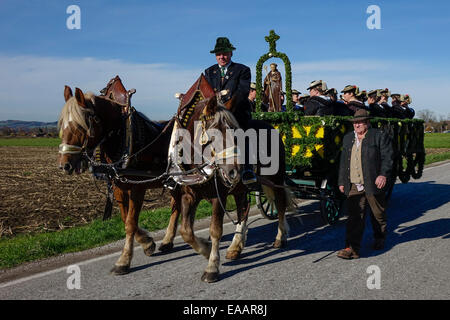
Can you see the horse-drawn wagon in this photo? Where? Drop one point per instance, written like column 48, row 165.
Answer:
column 313, row 146
column 139, row 154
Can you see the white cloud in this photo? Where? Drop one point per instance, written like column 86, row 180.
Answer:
column 31, row 88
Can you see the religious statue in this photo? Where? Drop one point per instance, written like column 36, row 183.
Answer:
column 272, row 89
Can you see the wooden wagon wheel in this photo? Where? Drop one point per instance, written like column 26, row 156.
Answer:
column 331, row 205
column 266, row 208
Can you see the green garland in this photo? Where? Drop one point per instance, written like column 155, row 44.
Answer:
column 273, row 53
column 318, row 141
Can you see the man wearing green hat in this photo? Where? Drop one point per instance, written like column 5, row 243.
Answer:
column 373, row 99
column 405, row 101
column 318, row 104
column 350, row 95
column 232, row 79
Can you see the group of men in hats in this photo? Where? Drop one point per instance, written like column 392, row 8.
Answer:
column 234, row 79
column 322, row 101
column 364, row 172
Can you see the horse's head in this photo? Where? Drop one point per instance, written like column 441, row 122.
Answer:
column 80, row 128
column 217, row 136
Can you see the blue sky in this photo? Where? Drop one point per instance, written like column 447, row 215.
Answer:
column 161, row 47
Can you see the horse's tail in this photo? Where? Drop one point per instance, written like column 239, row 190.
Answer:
column 289, row 199
column 290, row 204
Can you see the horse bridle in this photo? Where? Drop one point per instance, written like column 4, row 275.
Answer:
column 230, row 152
column 65, row 148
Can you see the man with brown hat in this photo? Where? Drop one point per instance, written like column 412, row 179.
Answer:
column 365, row 167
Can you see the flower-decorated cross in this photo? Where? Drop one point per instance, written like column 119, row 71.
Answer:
column 272, row 38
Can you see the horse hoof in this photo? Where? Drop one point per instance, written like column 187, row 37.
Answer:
column 166, row 247
column 233, row 255
column 210, row 277
column 280, row 244
column 149, row 251
column 120, row 270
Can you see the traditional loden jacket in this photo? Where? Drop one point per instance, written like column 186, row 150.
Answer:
column 377, row 157
column 237, row 82
column 318, row 106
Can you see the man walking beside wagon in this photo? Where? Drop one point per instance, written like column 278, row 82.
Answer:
column 365, row 167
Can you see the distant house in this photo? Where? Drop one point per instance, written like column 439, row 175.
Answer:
column 429, row 129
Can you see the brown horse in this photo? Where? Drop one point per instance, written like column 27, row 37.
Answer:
column 213, row 179
column 115, row 90
column 88, row 121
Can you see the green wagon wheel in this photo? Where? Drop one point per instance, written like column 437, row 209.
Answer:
column 266, row 208
column 330, row 209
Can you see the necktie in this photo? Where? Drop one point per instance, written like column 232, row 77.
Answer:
column 222, row 72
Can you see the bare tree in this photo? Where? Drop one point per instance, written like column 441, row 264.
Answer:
column 426, row 115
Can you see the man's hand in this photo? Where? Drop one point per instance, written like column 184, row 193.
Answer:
column 341, row 189
column 380, row 182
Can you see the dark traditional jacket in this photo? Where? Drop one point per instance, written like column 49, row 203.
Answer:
column 237, row 82
column 318, row 106
column 410, row 113
column 398, row 111
column 387, row 109
column 264, row 107
column 355, row 105
column 377, row 110
column 341, row 109
column 376, row 158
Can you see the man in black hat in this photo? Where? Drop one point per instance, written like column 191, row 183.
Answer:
column 365, row 167
column 232, row 79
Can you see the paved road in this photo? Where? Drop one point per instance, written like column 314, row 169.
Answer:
column 414, row 264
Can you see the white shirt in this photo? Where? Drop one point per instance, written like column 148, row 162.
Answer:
column 225, row 68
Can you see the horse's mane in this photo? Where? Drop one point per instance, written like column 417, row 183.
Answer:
column 72, row 112
column 223, row 115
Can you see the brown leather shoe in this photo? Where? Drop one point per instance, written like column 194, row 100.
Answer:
column 348, row 253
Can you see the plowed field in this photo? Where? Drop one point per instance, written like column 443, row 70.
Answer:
column 36, row 196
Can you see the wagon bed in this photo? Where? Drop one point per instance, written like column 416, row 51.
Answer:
column 313, row 145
